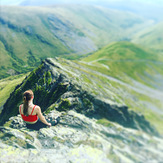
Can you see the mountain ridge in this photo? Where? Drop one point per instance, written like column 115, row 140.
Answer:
column 103, row 78
column 77, row 137
column 94, row 123
column 51, row 83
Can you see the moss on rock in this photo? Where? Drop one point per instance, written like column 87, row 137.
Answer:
column 105, row 122
column 64, row 105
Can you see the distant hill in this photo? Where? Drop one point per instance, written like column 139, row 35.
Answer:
column 125, row 58
column 151, row 38
column 30, row 34
column 134, row 73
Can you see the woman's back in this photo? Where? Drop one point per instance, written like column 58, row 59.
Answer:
column 32, row 116
column 31, row 113
column 31, row 109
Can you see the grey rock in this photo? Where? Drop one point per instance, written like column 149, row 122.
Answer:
column 78, row 138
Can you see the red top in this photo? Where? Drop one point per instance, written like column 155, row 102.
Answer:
column 29, row 118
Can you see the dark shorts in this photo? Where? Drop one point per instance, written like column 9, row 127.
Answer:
column 36, row 126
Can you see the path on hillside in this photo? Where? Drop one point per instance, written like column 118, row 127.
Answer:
column 135, row 85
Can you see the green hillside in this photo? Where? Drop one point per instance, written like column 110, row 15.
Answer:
column 124, row 58
column 7, row 86
column 135, row 74
column 151, row 38
column 120, row 74
column 30, row 34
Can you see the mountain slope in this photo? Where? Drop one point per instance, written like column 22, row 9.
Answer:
column 126, row 58
column 135, row 72
column 26, row 39
column 65, row 85
column 105, row 116
column 7, row 86
column 151, row 38
column 53, row 84
column 122, row 73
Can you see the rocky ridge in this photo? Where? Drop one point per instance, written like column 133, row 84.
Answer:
column 77, row 138
column 64, row 85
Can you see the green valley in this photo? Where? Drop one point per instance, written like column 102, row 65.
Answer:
column 31, row 34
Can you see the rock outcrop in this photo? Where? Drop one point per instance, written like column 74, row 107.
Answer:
column 77, row 138
column 64, row 85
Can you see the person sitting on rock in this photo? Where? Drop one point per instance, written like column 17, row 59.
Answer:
column 31, row 113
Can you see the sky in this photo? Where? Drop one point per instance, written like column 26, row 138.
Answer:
column 17, row 2
column 10, row 2
column 151, row 9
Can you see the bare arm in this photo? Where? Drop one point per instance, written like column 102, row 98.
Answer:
column 42, row 118
column 20, row 108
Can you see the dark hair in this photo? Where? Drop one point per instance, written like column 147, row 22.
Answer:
column 27, row 95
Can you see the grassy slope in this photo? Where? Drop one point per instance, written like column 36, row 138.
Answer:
column 125, row 62
column 126, row 58
column 7, row 85
column 5, row 60
column 27, row 38
column 29, row 35
column 103, row 25
column 26, row 42
column 151, row 38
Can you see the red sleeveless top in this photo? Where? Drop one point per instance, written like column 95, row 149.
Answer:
column 29, row 118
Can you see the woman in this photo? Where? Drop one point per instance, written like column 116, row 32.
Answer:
column 31, row 113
